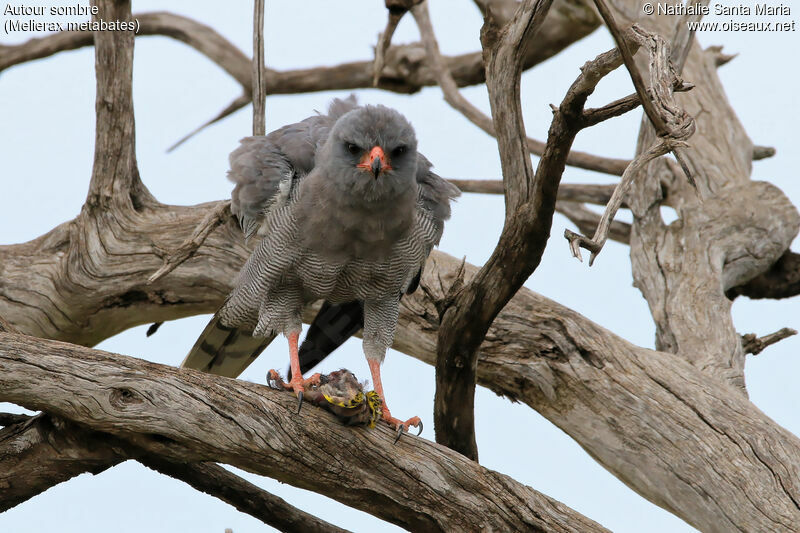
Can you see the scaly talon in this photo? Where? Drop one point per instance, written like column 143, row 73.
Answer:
column 297, row 385
column 402, row 427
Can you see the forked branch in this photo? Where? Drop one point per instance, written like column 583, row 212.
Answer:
column 465, row 322
column 595, row 244
column 675, row 125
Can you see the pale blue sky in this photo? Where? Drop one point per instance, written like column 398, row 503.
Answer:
column 46, row 143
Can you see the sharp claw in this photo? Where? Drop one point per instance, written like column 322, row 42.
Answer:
column 420, row 429
column 299, row 401
column 399, row 433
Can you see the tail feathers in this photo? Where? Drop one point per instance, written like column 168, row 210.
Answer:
column 224, row 351
column 334, row 324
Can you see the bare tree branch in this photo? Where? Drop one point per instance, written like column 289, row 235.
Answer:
column 115, row 176
column 762, row 152
column 43, row 451
column 241, row 494
column 588, row 221
column 627, row 406
column 668, row 119
column 479, row 186
column 739, row 230
column 259, row 87
column 453, row 97
column 467, row 318
column 620, row 402
column 595, row 244
column 405, row 70
column 396, row 8
column 219, row 215
column 9, row 419
column 755, row 345
column 683, row 36
column 627, row 57
column 530, row 204
column 189, row 415
column 232, row 108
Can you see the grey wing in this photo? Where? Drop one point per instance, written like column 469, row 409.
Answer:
column 435, row 194
column 265, row 169
column 258, row 168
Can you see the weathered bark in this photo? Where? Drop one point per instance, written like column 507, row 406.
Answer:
column 625, row 413
column 650, row 418
column 738, row 230
column 191, row 416
column 679, row 436
column 530, row 203
column 44, row 451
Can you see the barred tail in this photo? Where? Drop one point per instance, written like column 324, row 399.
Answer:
column 224, row 351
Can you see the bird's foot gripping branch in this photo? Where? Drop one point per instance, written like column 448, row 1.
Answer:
column 340, row 393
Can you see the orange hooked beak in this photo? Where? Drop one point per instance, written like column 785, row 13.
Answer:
column 375, row 161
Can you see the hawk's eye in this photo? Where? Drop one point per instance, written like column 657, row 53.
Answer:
column 400, row 150
column 353, row 149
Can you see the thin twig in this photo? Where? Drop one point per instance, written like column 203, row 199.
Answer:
column 683, row 128
column 232, row 108
column 467, row 68
column 676, row 125
column 259, row 88
column 595, row 115
column 595, row 244
column 587, row 220
column 762, row 152
column 720, row 58
column 215, row 217
column 568, row 192
column 755, row 345
column 384, row 40
column 479, row 186
column 442, row 74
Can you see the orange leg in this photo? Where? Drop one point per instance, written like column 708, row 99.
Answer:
column 399, row 425
column 297, row 384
